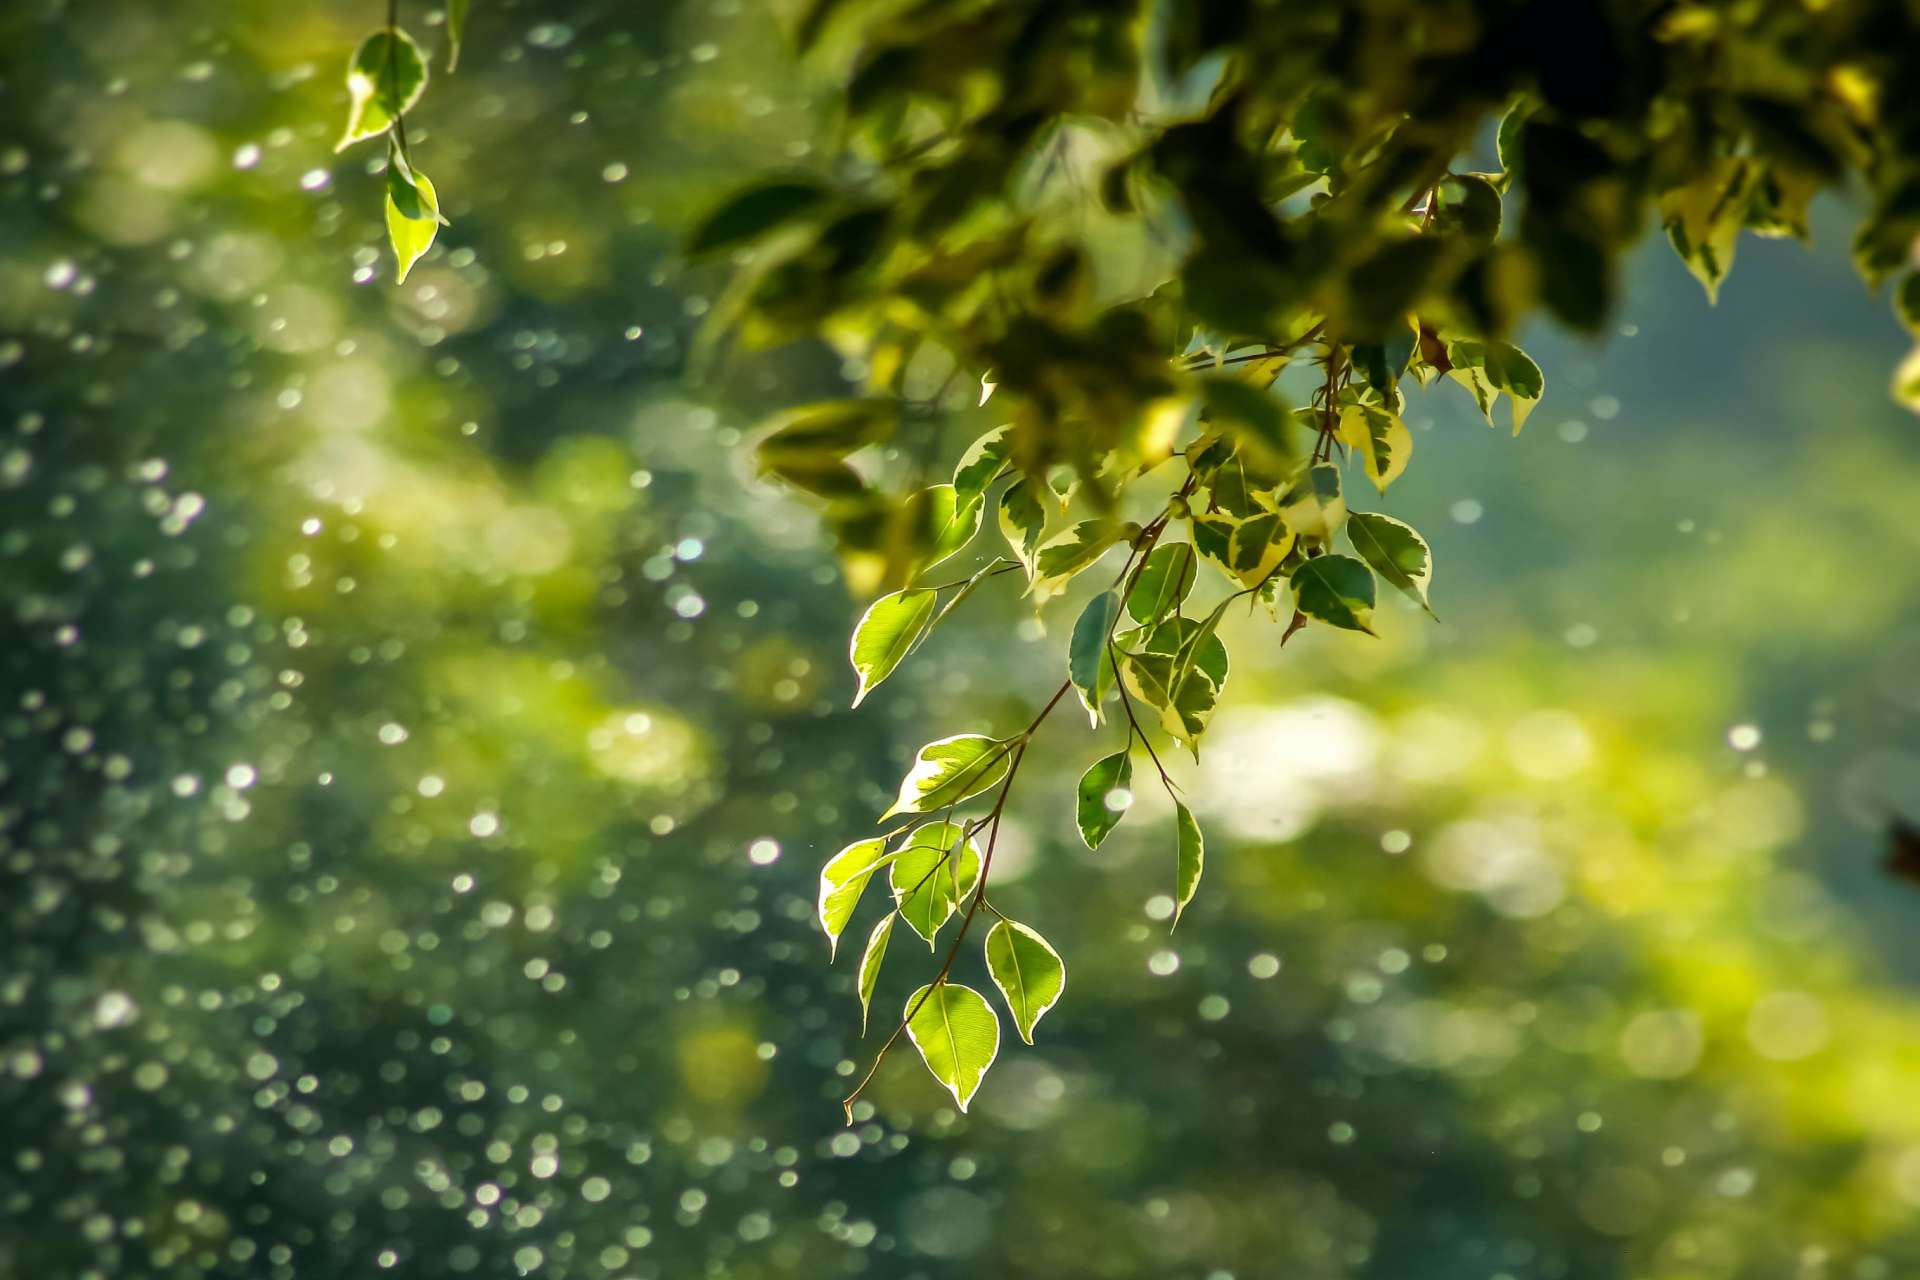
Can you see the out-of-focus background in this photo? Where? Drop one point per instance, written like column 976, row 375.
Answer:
column 419, row 734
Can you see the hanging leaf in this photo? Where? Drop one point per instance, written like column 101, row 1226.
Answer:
column 1108, row 781
column 1022, row 522
column 1395, row 551
column 1489, row 368
column 980, row 466
column 843, row 880
column 949, row 770
column 930, row 874
column 1190, row 857
column 957, row 1035
column 886, row 632
column 1162, row 583
column 1314, row 507
column 1257, row 547
column 384, row 80
column 1088, row 649
column 456, row 30
column 1029, row 972
column 1336, row 590
column 870, row 961
column 1381, row 440
column 1704, row 217
column 410, row 235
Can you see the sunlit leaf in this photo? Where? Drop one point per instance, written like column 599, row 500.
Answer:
column 884, row 635
column 957, row 1034
column 1337, row 590
column 385, row 79
column 1023, row 520
column 411, row 236
column 931, row 873
column 1381, row 440
column 842, row 880
column 1704, row 218
column 1107, row 781
column 870, row 961
column 1029, row 972
column 949, row 770
column 1073, row 549
column 1395, row 551
column 1162, row 583
column 1190, row 857
column 1314, row 507
column 1088, row 648
column 980, row 466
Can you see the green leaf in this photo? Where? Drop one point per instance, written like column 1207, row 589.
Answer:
column 1488, row 368
column 411, row 236
column 1190, row 857
column 1073, row 549
column 885, row 634
column 843, row 880
column 1382, row 440
column 1257, row 547
column 949, row 770
column 1395, row 551
column 949, row 525
column 456, row 30
column 1098, row 818
column 1704, row 217
column 1336, row 590
column 748, row 215
column 870, row 960
column 1088, row 648
column 1022, row 522
column 931, row 873
column 1314, row 507
column 957, row 1034
column 980, row 466
column 1028, row 971
column 384, row 79
column 1162, row 583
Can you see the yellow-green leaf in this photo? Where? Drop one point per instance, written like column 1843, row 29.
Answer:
column 870, row 963
column 1395, row 551
column 885, row 634
column 957, row 1034
column 843, row 880
column 931, row 873
column 412, row 236
column 1190, row 857
column 1029, row 972
column 948, row 770
column 385, row 78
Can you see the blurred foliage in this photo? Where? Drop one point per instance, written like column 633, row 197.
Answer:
column 419, row 733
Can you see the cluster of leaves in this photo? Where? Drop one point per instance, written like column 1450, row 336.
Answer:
column 385, row 79
column 1195, row 251
column 1304, row 178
